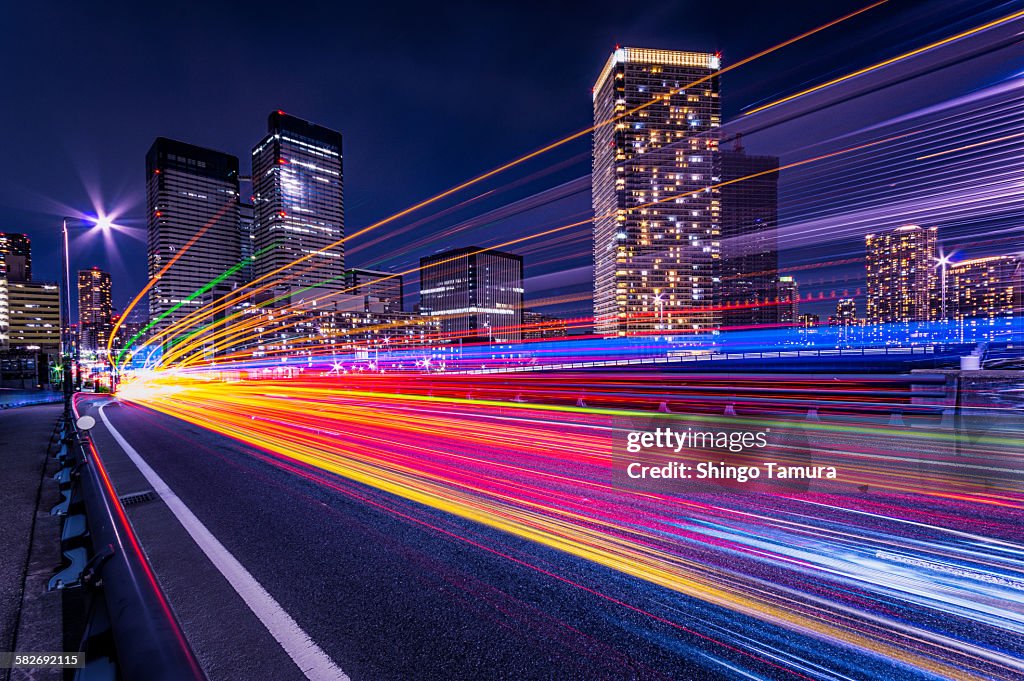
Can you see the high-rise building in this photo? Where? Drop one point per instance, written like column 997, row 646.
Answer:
column 15, row 257
column 192, row 199
column 476, row 294
column 33, row 310
column 383, row 291
column 247, row 241
column 750, row 251
column 808, row 320
column 95, row 310
column 986, row 296
column 788, row 303
column 901, row 275
column 297, row 198
column 846, row 312
column 656, row 204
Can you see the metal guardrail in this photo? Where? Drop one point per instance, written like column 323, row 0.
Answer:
column 131, row 633
column 11, row 398
column 683, row 358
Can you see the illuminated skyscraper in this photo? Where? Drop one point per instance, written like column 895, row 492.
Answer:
column 95, row 310
column 475, row 294
column 986, row 296
column 15, row 257
column 192, row 200
column 901, row 275
column 750, row 251
column 788, row 305
column 297, row 199
column 656, row 217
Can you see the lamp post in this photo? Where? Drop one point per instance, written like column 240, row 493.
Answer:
column 943, row 262
column 65, row 322
column 102, row 222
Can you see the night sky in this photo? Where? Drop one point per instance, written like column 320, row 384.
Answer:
column 426, row 95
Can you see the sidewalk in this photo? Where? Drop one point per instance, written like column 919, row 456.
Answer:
column 30, row 618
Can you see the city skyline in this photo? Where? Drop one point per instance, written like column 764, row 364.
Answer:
column 653, row 340
column 364, row 205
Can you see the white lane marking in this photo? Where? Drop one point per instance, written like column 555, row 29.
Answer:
column 310, row 658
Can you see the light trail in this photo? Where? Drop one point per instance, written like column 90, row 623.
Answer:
column 235, row 332
column 281, row 273
column 850, row 575
column 975, row 145
column 887, row 62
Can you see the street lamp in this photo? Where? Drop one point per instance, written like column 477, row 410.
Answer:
column 943, row 262
column 103, row 222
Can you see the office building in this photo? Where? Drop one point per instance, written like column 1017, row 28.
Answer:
column 750, row 252
column 383, row 291
column 901, row 276
column 192, row 225
column 95, row 310
column 15, row 257
column 33, row 312
column 656, row 207
column 297, row 201
column 475, row 294
column 788, row 301
column 985, row 295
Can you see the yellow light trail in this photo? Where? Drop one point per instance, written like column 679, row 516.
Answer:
column 181, row 351
column 887, row 62
column 425, row 449
column 975, row 145
column 200, row 313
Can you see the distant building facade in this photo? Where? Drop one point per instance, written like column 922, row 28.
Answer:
column 656, row 210
column 537, row 326
column 95, row 310
column 475, row 294
column 383, row 291
column 15, row 257
column 788, row 302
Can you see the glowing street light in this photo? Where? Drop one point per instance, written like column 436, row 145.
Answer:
column 943, row 262
column 104, row 223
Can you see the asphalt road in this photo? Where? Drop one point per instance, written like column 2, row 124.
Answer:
column 390, row 589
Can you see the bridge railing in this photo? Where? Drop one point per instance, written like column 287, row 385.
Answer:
column 130, row 627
